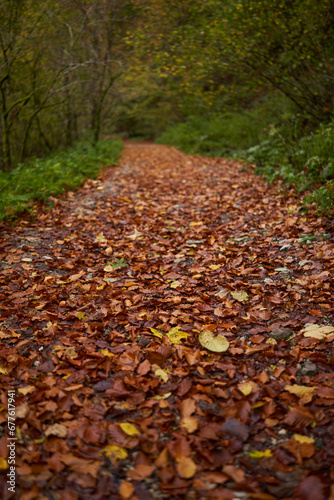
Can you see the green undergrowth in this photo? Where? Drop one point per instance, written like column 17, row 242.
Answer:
column 40, row 178
column 306, row 162
column 281, row 142
column 213, row 135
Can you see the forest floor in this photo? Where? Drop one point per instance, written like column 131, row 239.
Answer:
column 113, row 304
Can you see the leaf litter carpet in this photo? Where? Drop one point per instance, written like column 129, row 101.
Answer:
column 112, row 302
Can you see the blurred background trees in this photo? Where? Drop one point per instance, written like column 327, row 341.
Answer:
column 214, row 77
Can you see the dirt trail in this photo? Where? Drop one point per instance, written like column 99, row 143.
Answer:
column 103, row 300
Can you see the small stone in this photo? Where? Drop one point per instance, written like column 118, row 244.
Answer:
column 308, row 368
column 281, row 333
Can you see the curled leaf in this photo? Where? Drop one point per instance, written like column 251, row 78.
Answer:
column 213, row 343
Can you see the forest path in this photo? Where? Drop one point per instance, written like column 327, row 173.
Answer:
column 108, row 408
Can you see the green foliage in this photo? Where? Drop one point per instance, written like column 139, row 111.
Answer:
column 38, row 179
column 305, row 162
column 214, row 135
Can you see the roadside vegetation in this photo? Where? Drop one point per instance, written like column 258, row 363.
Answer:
column 40, row 178
column 249, row 79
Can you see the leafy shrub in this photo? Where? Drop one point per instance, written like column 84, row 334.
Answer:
column 213, row 135
column 38, row 178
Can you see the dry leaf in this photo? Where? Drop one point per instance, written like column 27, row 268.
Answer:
column 115, row 453
column 129, row 429
column 186, row 467
column 240, row 296
column 126, row 490
column 26, row 389
column 300, row 390
column 317, row 331
column 162, row 374
column 303, row 439
column 213, row 343
column 260, row 454
column 58, row 430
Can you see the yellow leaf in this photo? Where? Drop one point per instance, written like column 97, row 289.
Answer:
column 317, row 331
column 101, row 287
column 216, row 344
column 136, row 235
column 107, row 353
column 214, row 267
column 240, row 296
column 156, row 333
column 260, row 454
column 247, row 387
column 100, row 238
column 115, row 453
column 165, row 396
column 299, row 390
column 3, row 464
column 186, row 467
column 162, row 374
column 271, row 341
column 303, row 439
column 3, row 370
column 175, row 284
column 175, row 335
column 199, row 223
column 27, row 389
column 129, row 429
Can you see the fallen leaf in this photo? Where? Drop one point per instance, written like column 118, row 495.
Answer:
column 300, row 390
column 214, row 267
column 58, row 430
column 135, row 236
column 129, row 429
column 303, row 439
column 186, row 467
column 213, row 343
column 317, row 331
column 26, row 389
column 126, row 490
column 115, row 453
column 247, row 387
column 260, row 454
column 140, row 472
column 240, row 296
column 3, row 464
column 175, row 335
column 162, row 374
column 107, row 353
